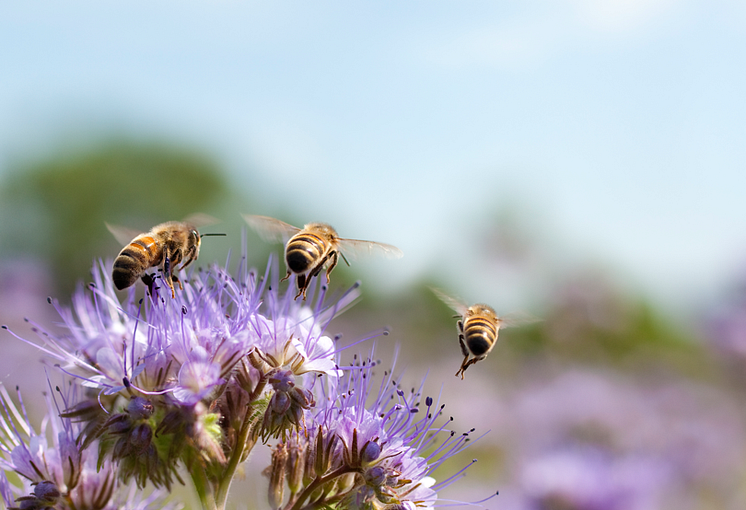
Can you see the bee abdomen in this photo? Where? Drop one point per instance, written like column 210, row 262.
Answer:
column 480, row 334
column 132, row 261
column 302, row 251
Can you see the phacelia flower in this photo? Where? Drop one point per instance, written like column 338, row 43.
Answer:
column 191, row 383
column 193, row 378
column 365, row 455
column 60, row 474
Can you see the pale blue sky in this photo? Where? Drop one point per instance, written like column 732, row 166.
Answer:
column 615, row 129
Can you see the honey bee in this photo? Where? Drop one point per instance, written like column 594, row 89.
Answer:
column 314, row 247
column 478, row 328
column 166, row 245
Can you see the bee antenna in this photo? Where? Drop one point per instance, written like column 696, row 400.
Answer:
column 211, row 234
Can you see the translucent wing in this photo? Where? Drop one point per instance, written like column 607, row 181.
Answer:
column 123, row 235
column 456, row 304
column 200, row 220
column 517, row 319
column 354, row 247
column 510, row 320
column 271, row 229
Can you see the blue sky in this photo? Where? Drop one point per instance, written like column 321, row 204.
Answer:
column 615, row 130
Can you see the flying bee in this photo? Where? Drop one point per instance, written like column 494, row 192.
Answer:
column 314, row 247
column 166, row 245
column 478, row 327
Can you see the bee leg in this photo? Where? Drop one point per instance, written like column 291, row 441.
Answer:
column 302, row 286
column 149, row 281
column 167, row 274
column 466, row 363
column 465, row 352
column 464, row 349
column 189, row 259
column 334, row 258
column 462, row 370
column 286, row 276
column 317, row 268
column 176, row 279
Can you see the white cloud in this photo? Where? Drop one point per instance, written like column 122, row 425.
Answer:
column 619, row 16
column 541, row 29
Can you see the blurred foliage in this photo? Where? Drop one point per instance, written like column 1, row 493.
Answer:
column 584, row 322
column 55, row 210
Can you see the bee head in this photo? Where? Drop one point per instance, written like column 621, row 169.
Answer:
column 323, row 229
column 480, row 309
column 194, row 238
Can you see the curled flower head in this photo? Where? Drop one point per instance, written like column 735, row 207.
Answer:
column 364, row 455
column 61, row 473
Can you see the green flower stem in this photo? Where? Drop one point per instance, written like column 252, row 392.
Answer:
column 318, row 482
column 203, row 488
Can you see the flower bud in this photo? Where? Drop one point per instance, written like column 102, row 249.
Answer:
column 140, row 408
column 247, row 376
column 280, row 403
column 141, row 437
column 47, row 491
column 277, row 476
column 283, row 381
column 295, row 466
column 119, row 424
column 371, row 451
column 257, row 362
column 375, row 476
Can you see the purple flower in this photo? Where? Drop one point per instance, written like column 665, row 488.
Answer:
column 590, row 478
column 61, row 474
column 377, row 454
column 198, row 380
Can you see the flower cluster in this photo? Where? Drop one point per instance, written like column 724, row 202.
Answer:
column 364, row 450
column 62, row 474
column 192, row 383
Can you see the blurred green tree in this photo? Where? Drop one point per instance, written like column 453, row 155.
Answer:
column 54, row 210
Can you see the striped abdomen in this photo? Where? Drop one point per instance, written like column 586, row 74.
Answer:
column 143, row 252
column 304, row 251
column 480, row 334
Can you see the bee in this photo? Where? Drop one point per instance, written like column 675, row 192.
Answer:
column 314, row 247
column 478, row 327
column 166, row 245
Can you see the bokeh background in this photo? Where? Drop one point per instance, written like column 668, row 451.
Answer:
column 579, row 160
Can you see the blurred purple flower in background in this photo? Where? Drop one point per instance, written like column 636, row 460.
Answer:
column 590, row 478
column 587, row 438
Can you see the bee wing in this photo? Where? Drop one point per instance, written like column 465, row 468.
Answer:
column 517, row 319
column 456, row 304
column 355, row 247
column 271, row 229
column 123, row 235
column 200, row 220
